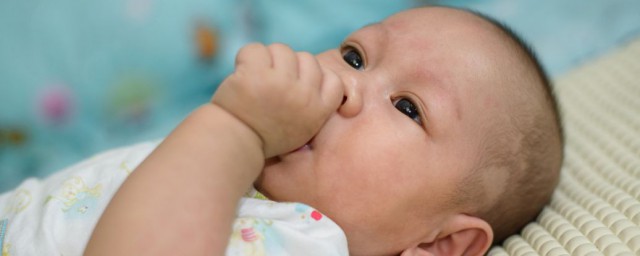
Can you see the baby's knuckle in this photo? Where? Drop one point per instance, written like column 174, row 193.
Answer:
column 248, row 50
column 252, row 47
column 306, row 56
column 280, row 47
column 245, row 50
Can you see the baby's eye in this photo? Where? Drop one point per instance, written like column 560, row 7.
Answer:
column 407, row 107
column 353, row 58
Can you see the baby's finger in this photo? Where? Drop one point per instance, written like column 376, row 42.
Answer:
column 309, row 69
column 284, row 59
column 331, row 90
column 254, row 55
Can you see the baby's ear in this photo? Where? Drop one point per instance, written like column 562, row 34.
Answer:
column 460, row 235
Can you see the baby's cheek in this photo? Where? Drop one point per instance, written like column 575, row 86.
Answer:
column 286, row 181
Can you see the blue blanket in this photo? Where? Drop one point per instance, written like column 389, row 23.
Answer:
column 77, row 77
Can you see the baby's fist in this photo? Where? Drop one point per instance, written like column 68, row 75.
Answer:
column 284, row 96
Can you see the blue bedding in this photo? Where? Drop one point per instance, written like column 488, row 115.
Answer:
column 78, row 77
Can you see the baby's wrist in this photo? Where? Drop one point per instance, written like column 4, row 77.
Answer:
column 215, row 114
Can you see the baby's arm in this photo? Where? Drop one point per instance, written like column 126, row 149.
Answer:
column 182, row 199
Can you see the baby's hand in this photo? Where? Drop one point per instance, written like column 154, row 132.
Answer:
column 284, row 96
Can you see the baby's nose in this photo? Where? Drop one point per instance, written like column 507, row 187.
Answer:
column 352, row 99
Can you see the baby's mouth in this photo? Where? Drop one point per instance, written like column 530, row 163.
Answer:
column 306, row 146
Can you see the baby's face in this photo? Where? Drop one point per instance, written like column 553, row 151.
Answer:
column 423, row 91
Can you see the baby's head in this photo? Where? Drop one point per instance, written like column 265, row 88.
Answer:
column 448, row 137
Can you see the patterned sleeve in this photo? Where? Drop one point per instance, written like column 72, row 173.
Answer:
column 57, row 215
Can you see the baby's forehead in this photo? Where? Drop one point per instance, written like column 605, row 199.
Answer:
column 437, row 23
column 447, row 43
column 443, row 17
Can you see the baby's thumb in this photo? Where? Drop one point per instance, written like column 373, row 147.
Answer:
column 331, row 90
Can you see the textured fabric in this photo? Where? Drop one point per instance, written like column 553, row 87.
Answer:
column 56, row 216
column 596, row 208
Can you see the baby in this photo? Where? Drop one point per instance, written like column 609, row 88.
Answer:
column 431, row 132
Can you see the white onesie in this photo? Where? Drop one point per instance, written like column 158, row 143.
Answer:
column 56, row 216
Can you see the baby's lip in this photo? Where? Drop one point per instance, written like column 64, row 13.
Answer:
column 306, row 146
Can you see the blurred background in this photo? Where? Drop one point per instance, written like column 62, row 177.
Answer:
column 79, row 77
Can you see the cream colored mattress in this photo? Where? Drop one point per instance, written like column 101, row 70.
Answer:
column 596, row 208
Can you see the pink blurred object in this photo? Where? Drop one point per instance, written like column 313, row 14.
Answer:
column 55, row 104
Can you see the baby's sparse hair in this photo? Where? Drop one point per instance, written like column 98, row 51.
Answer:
column 529, row 150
